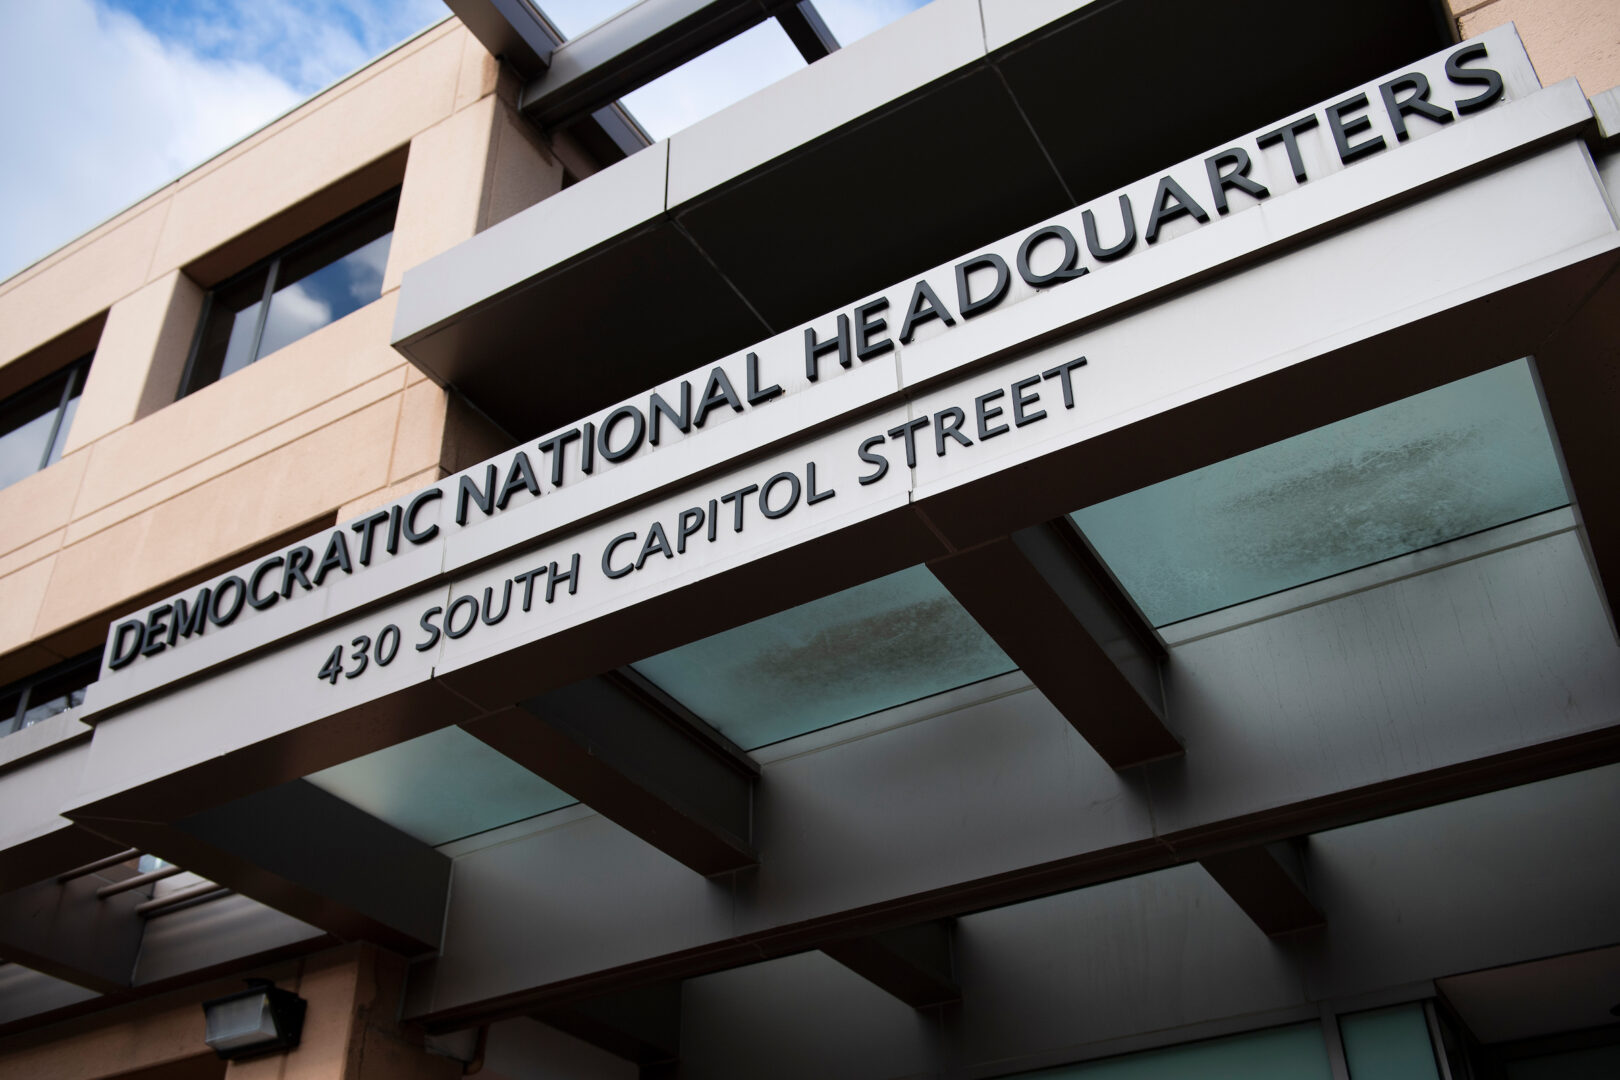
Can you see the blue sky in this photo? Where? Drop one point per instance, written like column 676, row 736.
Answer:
column 108, row 100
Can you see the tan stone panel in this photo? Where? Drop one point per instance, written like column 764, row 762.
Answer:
column 354, row 124
column 288, row 382
column 144, row 1036
column 522, row 171
column 420, row 436
column 38, row 505
column 373, row 500
column 1563, row 37
column 78, row 285
column 154, row 323
column 13, row 561
column 442, row 196
column 328, row 1049
column 21, row 595
column 299, row 482
column 479, row 71
column 235, row 456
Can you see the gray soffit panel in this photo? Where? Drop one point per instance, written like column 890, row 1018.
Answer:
column 895, row 154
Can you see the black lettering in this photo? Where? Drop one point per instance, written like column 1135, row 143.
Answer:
column 426, row 623
column 1170, row 202
column 1061, row 372
column 254, row 599
column 815, row 349
column 657, row 542
column 299, row 560
column 367, row 528
column 1127, row 218
column 866, row 347
column 718, row 392
column 794, row 491
column 450, row 630
column 554, row 446
column 736, row 498
column 948, row 422
column 572, row 577
column 758, row 395
column 468, row 490
column 1237, row 160
column 1476, row 76
column 811, row 495
column 986, row 415
column 908, row 433
column 488, row 615
column 1020, row 401
column 660, row 409
column 1399, row 108
column 128, row 639
column 638, row 429
column 879, row 463
column 519, row 477
column 1289, row 135
column 1070, row 266
column 190, row 618
column 965, row 303
column 157, row 629
column 587, row 449
column 336, row 557
column 527, row 578
column 607, row 555
column 396, row 519
column 221, row 613
column 1342, row 130
column 687, row 526
column 421, row 499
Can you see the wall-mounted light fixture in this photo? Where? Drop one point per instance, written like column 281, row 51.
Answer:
column 259, row 1020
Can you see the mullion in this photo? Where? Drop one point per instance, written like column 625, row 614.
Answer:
column 61, row 411
column 264, row 307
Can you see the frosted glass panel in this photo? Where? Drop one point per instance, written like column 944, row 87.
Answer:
column 1442, row 464
column 441, row 787
column 1388, row 1044
column 1289, row 1053
column 887, row 642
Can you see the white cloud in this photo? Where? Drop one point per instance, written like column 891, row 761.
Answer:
column 99, row 112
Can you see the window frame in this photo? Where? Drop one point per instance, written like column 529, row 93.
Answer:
column 77, row 374
column 25, row 687
column 270, row 265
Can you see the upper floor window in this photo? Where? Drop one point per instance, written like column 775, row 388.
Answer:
column 34, row 424
column 300, row 289
column 41, row 696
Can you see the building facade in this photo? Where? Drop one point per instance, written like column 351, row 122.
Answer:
column 1070, row 539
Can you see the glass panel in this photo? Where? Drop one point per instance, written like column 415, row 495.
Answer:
column 441, row 787
column 226, row 344
column 62, row 691
column 78, row 374
column 1442, row 464
column 726, row 73
column 9, row 701
column 850, row 20
column 320, row 282
column 1289, row 1053
column 881, row 644
column 1388, row 1044
column 25, row 428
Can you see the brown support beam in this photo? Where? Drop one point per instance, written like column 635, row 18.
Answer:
column 1268, row 883
column 1578, row 367
column 629, row 751
column 1052, row 608
column 914, row 963
column 641, row 1026
column 64, row 930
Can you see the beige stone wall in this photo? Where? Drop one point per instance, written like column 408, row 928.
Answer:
column 1579, row 38
column 152, row 491
column 350, row 1032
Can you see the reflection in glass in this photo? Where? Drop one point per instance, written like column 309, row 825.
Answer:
column 34, row 424
column 1451, row 461
column 313, row 283
column 1389, row 1044
column 441, row 787
column 47, row 693
column 881, row 644
column 1288, row 1053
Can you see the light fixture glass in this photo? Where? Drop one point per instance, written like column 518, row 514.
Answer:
column 259, row 1020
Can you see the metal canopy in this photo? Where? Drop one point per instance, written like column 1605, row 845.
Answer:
column 538, row 333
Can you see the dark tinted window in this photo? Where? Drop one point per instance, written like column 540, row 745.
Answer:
column 34, row 424
column 300, row 289
column 43, row 695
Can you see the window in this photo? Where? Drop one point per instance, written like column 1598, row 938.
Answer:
column 41, row 696
column 34, row 424
column 300, row 289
